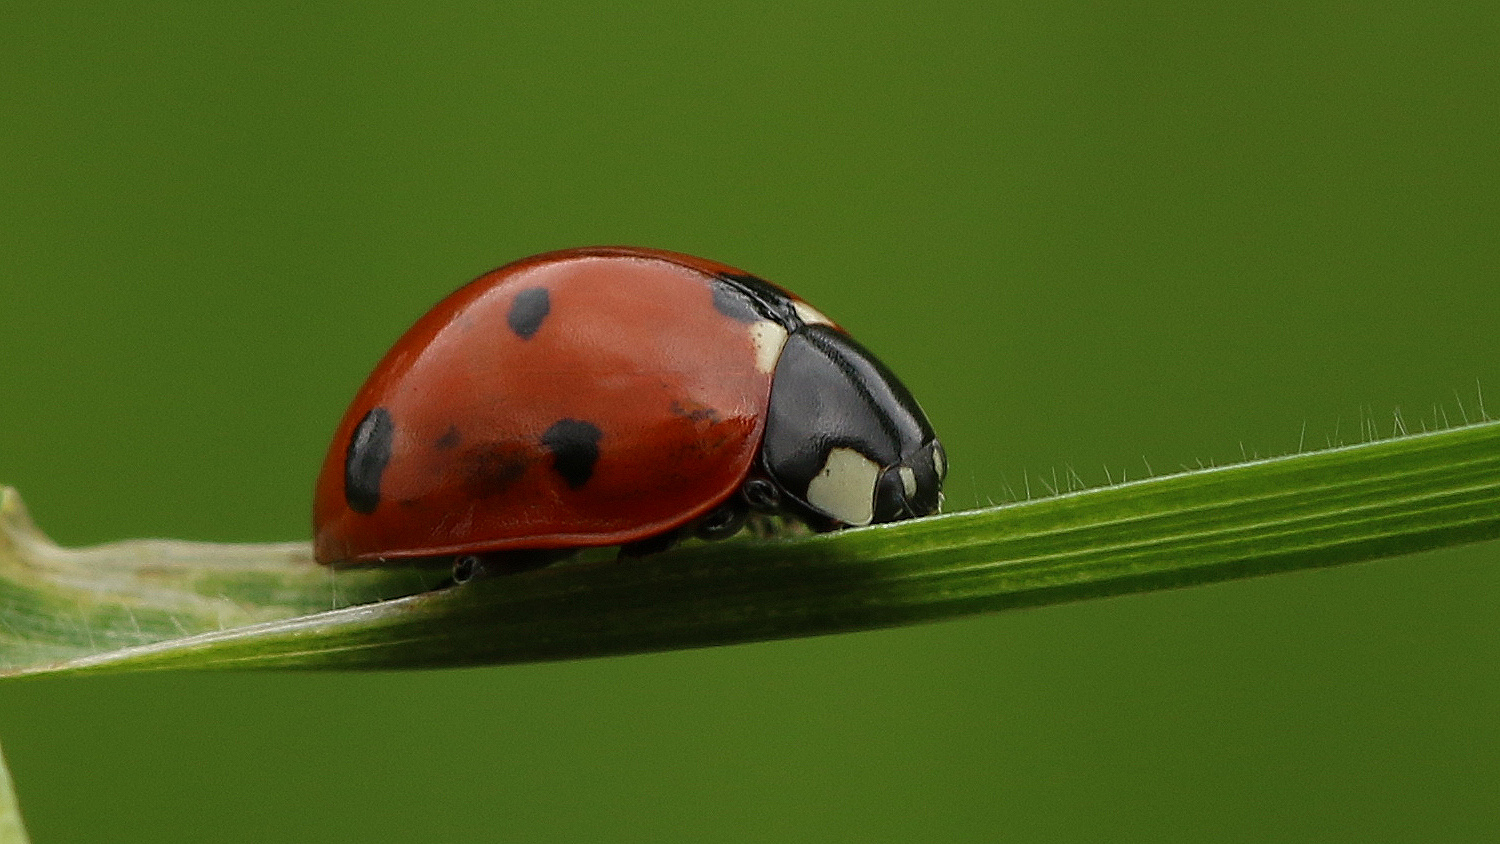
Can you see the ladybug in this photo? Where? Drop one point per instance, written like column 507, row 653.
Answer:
column 616, row 396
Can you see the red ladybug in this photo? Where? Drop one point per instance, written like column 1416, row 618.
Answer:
column 616, row 396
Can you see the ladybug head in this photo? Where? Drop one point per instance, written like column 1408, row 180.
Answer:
column 844, row 438
column 912, row 487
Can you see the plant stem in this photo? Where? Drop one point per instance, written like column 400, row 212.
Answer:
column 1301, row 511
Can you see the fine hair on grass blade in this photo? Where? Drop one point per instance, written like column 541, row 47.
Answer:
column 156, row 605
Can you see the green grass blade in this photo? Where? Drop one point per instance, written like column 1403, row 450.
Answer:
column 1301, row 511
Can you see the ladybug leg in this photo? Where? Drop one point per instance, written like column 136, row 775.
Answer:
column 475, row 566
column 723, row 521
column 651, row 544
column 761, row 494
column 774, row 513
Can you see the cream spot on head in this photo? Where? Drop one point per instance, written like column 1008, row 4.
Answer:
column 908, row 480
column 768, row 338
column 939, row 461
column 809, row 314
column 845, row 488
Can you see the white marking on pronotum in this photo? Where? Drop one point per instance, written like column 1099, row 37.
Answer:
column 809, row 314
column 845, row 489
column 768, row 338
column 939, row 462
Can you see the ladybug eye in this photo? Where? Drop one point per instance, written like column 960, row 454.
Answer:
column 924, row 479
column 896, row 485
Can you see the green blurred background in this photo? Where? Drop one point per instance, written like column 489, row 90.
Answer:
column 1087, row 235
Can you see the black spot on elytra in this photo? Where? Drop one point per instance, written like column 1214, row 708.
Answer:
column 449, row 439
column 575, row 448
column 732, row 302
column 748, row 298
column 492, row 468
column 530, row 307
column 697, row 413
column 364, row 463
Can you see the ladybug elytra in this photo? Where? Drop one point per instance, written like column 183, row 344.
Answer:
column 617, row 396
